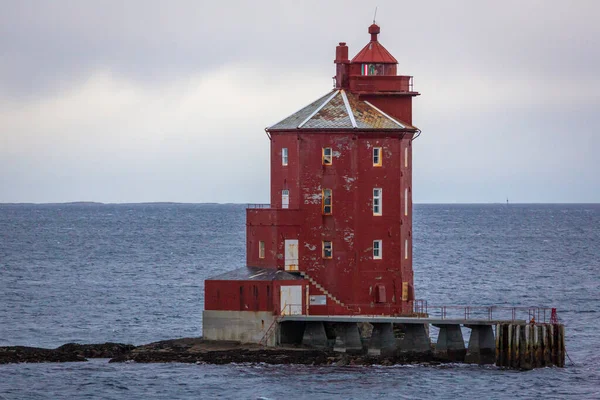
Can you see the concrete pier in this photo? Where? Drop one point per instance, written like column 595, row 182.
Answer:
column 347, row 338
column 482, row 346
column 415, row 339
column 314, row 335
column 515, row 344
column 450, row 344
column 382, row 341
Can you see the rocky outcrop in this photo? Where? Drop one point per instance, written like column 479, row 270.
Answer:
column 197, row 350
column 66, row 353
column 101, row 350
column 23, row 354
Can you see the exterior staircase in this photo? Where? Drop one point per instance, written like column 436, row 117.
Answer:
column 327, row 293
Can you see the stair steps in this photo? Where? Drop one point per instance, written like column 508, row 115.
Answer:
column 322, row 289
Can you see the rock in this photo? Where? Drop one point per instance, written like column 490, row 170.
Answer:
column 101, row 350
column 23, row 354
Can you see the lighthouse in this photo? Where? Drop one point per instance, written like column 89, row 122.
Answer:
column 336, row 237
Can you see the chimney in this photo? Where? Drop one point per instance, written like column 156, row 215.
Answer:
column 342, row 62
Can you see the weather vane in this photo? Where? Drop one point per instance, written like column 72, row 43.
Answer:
column 375, row 15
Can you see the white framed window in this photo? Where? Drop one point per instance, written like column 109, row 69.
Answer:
column 327, row 249
column 406, row 156
column 327, row 156
column 284, row 156
column 405, row 201
column 377, row 249
column 377, row 156
column 377, row 206
column 285, row 198
column 327, row 202
column 406, row 249
column 261, row 249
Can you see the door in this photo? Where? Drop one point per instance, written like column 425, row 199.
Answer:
column 285, row 198
column 291, row 254
column 291, row 300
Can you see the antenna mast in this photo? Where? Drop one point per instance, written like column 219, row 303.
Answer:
column 375, row 15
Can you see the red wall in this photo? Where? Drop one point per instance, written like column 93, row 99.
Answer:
column 247, row 295
column 270, row 225
column 352, row 274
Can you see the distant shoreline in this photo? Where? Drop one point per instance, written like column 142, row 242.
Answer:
column 97, row 203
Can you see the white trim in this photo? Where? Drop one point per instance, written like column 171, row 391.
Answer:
column 318, row 108
column 379, row 197
column 385, row 115
column 379, row 249
column 348, row 109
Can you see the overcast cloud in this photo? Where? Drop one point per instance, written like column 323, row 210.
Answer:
column 167, row 101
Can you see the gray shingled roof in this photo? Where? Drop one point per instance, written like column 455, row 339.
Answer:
column 255, row 274
column 339, row 109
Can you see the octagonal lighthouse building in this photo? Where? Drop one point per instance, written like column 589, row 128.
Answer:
column 336, row 238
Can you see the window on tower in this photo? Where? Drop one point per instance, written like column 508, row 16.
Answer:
column 405, row 201
column 372, row 69
column 377, row 201
column 406, row 157
column 377, row 156
column 284, row 156
column 327, row 204
column 327, row 249
column 327, row 156
column 261, row 249
column 377, row 250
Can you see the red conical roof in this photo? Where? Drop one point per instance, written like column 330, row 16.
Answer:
column 374, row 52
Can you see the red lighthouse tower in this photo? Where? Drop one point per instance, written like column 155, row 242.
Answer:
column 336, row 238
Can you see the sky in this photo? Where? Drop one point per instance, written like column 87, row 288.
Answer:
column 149, row 101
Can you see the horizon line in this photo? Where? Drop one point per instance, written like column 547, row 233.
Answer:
column 247, row 203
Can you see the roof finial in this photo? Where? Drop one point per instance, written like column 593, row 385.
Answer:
column 375, row 16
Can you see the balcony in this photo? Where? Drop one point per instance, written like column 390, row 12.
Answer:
column 381, row 83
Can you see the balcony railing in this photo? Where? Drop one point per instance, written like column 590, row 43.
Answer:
column 258, row 206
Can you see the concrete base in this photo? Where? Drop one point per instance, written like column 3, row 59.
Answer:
column 241, row 326
column 482, row 346
column 347, row 338
column 314, row 335
column 451, row 344
column 415, row 339
column 382, row 340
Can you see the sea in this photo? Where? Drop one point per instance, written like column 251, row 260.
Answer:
column 133, row 273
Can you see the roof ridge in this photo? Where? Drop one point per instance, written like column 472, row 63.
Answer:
column 348, row 109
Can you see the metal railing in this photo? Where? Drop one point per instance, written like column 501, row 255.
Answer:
column 258, row 206
column 489, row 313
column 291, row 309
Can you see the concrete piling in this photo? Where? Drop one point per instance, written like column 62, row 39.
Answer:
column 450, row 345
column 314, row 335
column 415, row 339
column 347, row 338
column 382, row 340
column 482, row 346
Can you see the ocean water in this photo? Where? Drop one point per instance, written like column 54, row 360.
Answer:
column 134, row 274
